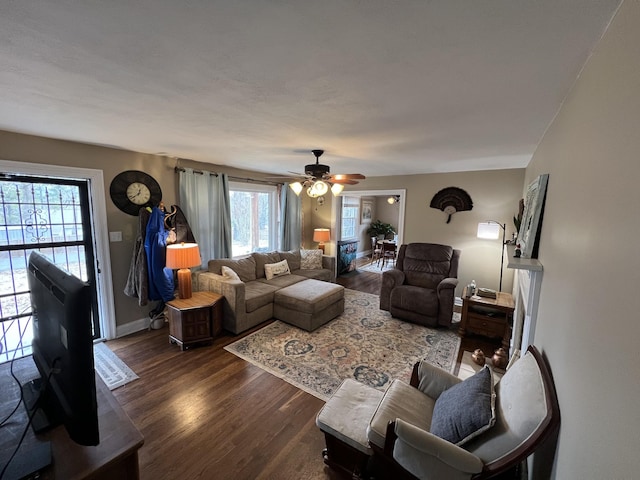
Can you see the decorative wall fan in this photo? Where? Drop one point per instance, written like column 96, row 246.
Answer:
column 318, row 179
column 451, row 200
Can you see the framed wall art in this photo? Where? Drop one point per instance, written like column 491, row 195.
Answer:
column 366, row 211
column 530, row 228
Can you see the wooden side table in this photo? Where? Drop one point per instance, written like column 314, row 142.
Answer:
column 195, row 320
column 490, row 317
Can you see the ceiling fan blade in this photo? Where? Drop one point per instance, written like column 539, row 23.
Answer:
column 344, row 181
column 349, row 176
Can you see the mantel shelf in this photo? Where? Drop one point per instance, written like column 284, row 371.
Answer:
column 532, row 264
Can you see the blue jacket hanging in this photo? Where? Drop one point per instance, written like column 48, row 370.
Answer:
column 155, row 246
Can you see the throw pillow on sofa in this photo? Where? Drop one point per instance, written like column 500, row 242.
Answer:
column 292, row 258
column 229, row 274
column 245, row 267
column 276, row 269
column 262, row 259
column 311, row 259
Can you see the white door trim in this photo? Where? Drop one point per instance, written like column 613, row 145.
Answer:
column 374, row 193
column 100, row 233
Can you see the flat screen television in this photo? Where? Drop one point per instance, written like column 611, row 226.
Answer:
column 62, row 348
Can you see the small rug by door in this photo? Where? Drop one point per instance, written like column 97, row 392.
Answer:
column 113, row 371
column 364, row 343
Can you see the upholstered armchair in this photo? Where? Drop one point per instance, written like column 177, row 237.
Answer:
column 421, row 289
column 524, row 409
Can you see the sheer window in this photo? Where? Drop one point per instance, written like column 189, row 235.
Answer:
column 254, row 218
column 350, row 207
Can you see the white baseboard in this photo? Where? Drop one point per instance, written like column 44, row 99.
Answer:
column 132, row 327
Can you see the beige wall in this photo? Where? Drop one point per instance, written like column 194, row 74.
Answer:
column 111, row 161
column 495, row 196
column 588, row 325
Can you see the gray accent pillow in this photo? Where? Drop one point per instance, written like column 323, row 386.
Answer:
column 311, row 259
column 465, row 410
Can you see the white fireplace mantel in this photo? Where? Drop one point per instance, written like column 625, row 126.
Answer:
column 526, row 293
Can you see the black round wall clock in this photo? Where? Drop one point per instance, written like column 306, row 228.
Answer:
column 133, row 189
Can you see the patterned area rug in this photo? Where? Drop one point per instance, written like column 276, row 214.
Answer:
column 376, row 268
column 113, row 371
column 364, row 343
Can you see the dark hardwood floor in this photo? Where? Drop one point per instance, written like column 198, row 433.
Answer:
column 207, row 414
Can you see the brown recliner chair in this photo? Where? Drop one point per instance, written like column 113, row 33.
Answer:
column 421, row 289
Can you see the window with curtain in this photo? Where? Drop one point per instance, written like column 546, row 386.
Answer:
column 349, row 222
column 254, row 217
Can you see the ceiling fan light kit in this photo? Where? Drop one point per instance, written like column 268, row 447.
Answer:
column 319, row 179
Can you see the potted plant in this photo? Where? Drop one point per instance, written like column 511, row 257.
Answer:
column 380, row 229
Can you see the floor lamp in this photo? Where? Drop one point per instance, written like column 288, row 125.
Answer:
column 491, row 230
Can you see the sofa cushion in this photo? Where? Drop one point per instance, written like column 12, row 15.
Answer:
column 228, row 273
column 245, row 267
column 263, row 259
column 311, row 259
column 324, row 274
column 292, row 258
column 258, row 294
column 276, row 269
column 465, row 410
column 401, row 400
column 283, row 280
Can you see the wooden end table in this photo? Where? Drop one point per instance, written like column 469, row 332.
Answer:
column 490, row 317
column 195, row 320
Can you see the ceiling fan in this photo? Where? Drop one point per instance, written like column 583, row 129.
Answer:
column 318, row 179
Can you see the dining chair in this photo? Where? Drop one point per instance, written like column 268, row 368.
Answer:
column 376, row 250
column 388, row 252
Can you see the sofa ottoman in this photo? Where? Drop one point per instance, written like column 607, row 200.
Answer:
column 308, row 304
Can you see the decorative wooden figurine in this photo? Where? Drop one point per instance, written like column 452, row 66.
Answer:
column 478, row 357
column 499, row 358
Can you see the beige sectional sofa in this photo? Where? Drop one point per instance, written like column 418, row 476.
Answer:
column 249, row 300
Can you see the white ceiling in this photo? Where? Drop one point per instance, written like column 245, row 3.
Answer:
column 385, row 87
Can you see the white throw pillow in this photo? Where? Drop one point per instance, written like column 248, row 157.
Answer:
column 311, row 259
column 228, row 273
column 276, row 269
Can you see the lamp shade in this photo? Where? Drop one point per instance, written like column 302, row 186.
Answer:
column 321, row 235
column 183, row 255
column 296, row 187
column 489, row 230
column 336, row 189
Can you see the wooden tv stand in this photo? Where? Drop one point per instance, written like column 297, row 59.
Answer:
column 115, row 457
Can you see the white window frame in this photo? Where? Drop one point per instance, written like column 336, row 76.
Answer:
column 350, row 202
column 272, row 190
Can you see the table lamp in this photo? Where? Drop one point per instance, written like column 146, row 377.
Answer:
column 183, row 256
column 321, row 235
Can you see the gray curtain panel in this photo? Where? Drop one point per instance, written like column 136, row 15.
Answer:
column 204, row 199
column 291, row 219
